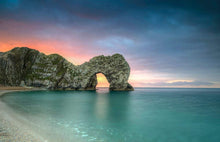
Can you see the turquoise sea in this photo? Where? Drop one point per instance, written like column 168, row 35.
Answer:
column 143, row 115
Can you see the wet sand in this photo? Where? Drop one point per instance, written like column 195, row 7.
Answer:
column 11, row 130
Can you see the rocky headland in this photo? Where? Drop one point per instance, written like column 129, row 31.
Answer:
column 28, row 67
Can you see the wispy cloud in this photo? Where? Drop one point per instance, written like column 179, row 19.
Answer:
column 116, row 42
column 171, row 39
column 180, row 84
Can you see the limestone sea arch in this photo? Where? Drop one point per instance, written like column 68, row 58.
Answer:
column 29, row 67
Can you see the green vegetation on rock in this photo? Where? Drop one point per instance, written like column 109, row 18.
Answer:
column 32, row 68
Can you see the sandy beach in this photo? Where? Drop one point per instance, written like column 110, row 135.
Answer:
column 11, row 130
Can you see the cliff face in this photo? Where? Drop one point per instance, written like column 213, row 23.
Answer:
column 25, row 66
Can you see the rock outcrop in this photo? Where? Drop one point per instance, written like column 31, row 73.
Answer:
column 28, row 67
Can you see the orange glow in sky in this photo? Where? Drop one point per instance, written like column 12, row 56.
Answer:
column 102, row 81
column 167, row 57
column 48, row 47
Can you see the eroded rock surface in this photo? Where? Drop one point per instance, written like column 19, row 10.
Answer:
column 28, row 67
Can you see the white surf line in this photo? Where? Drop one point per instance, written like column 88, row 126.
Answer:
column 14, row 127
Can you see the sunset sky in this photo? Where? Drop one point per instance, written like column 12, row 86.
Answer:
column 166, row 43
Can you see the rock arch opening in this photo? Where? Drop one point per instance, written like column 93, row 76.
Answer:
column 102, row 81
column 25, row 66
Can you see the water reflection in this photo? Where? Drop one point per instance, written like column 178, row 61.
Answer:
column 107, row 102
column 101, row 106
column 103, row 115
column 102, row 90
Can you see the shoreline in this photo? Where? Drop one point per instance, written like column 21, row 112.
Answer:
column 10, row 128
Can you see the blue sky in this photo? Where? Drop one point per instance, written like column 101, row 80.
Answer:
column 167, row 43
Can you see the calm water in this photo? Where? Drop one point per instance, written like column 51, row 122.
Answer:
column 143, row 115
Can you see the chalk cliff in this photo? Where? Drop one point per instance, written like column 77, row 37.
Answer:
column 28, row 67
